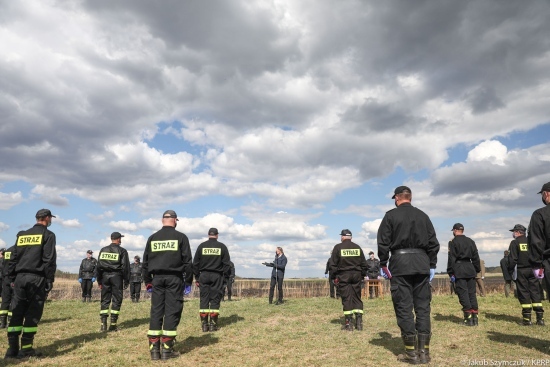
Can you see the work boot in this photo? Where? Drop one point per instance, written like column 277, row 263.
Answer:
column 526, row 314
column 167, row 348
column 540, row 317
column 204, row 322
column 103, row 323
column 424, row 348
column 154, row 347
column 270, row 300
column 27, row 350
column 214, row 321
column 474, row 317
column 13, row 346
column 468, row 319
column 410, row 356
column 359, row 321
column 348, row 325
column 113, row 326
column 90, row 299
column 3, row 321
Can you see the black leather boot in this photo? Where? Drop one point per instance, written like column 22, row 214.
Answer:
column 424, row 348
column 359, row 321
column 204, row 322
column 167, row 348
column 475, row 320
column 540, row 316
column 13, row 346
column 526, row 314
column 154, row 347
column 103, row 323
column 468, row 319
column 410, row 356
column 27, row 350
column 348, row 323
column 214, row 321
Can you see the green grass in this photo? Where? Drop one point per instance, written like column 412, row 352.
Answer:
column 302, row 332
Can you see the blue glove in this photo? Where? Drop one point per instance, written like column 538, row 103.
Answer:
column 93, row 280
column 326, row 276
column 187, row 289
column 80, row 280
column 453, row 278
column 432, row 274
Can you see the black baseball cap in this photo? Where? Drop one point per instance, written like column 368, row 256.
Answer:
column 345, row 232
column 212, row 231
column 137, row 257
column 545, row 187
column 458, row 226
column 89, row 252
column 371, row 253
column 44, row 213
column 399, row 190
column 518, row 227
column 170, row 214
column 116, row 235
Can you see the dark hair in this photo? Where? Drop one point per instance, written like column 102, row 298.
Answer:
column 281, row 249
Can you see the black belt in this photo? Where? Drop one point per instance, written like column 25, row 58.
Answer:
column 463, row 261
column 408, row 251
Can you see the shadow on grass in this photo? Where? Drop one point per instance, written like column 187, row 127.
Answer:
column 528, row 342
column 133, row 323
column 502, row 317
column 49, row 321
column 393, row 344
column 451, row 318
column 226, row 321
column 338, row 321
column 64, row 346
column 193, row 342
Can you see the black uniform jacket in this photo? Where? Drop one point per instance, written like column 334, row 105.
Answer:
column 34, row 252
column 519, row 254
column 347, row 257
column 407, row 227
column 113, row 259
column 538, row 236
column 167, row 252
column 373, row 267
column 231, row 270
column 212, row 256
column 6, row 269
column 505, row 268
column 463, row 260
column 135, row 272
column 87, row 268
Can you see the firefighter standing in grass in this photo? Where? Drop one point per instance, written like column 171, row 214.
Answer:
column 86, row 276
column 462, row 266
column 33, row 264
column 210, row 265
column 166, row 258
column 409, row 235
column 348, row 268
column 135, row 279
column 527, row 284
column 7, row 291
column 113, row 275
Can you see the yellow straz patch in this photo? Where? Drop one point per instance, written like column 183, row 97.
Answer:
column 523, row 247
column 109, row 256
column 212, row 251
column 350, row 252
column 170, row 245
column 31, row 240
column 7, row 255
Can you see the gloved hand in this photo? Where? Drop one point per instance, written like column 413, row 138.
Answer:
column 385, row 272
column 232, row 280
column 432, row 274
column 539, row 273
column 453, row 278
column 326, row 275
column 186, row 289
column 197, row 284
column 93, row 280
column 149, row 287
column 80, row 280
column 49, row 286
column 336, row 281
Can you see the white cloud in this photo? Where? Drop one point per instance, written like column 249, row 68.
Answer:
column 124, row 225
column 491, row 150
column 70, row 223
column 4, row 227
column 9, row 200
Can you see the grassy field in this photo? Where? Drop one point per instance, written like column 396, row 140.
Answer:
column 301, row 332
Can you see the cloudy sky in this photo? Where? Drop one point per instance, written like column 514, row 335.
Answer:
column 279, row 122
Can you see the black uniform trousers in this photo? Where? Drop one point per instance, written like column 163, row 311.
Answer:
column 87, row 287
column 333, row 288
column 135, row 290
column 28, row 304
column 210, row 291
column 349, row 286
column 528, row 289
column 166, row 305
column 112, row 291
column 229, row 285
column 278, row 280
column 7, row 296
column 465, row 289
column 412, row 292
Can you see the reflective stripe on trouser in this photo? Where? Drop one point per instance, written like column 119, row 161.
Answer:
column 154, row 333
column 412, row 292
column 206, row 310
column 466, row 292
column 28, row 303
column 350, row 291
column 166, row 303
column 111, row 294
column 211, row 291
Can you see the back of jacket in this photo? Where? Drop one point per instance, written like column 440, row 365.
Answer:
column 519, row 254
column 135, row 272
column 87, row 268
column 35, row 253
column 463, row 261
column 167, row 252
column 113, row 259
column 347, row 257
column 212, row 256
column 7, row 259
column 539, row 236
column 504, row 266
